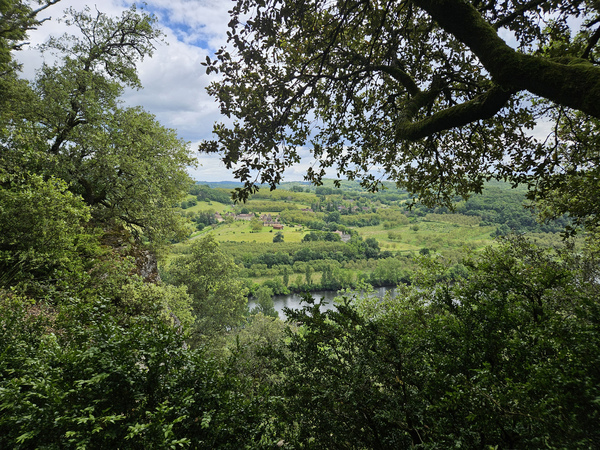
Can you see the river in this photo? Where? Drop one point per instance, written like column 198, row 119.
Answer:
column 293, row 301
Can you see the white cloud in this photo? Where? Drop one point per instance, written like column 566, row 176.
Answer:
column 211, row 168
column 542, row 129
column 174, row 90
column 174, row 80
column 195, row 21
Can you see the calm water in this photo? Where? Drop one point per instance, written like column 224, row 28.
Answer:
column 293, row 301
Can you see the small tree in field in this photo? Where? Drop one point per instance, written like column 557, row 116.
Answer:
column 256, row 225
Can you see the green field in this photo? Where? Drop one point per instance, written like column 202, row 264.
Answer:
column 437, row 236
column 241, row 231
column 207, row 206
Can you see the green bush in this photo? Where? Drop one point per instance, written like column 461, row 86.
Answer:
column 83, row 378
column 506, row 356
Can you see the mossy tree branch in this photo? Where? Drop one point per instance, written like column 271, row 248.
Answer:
column 567, row 81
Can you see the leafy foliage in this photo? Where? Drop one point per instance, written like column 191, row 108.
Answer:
column 92, row 350
column 125, row 166
column 427, row 92
column 40, row 226
column 506, row 357
column 84, row 378
column 16, row 19
column 502, row 351
column 77, row 168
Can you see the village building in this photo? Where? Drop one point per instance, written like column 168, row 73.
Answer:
column 343, row 236
column 244, row 217
column 270, row 221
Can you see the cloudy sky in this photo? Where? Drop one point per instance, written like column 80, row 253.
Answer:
column 173, row 79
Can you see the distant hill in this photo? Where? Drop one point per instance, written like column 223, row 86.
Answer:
column 345, row 185
column 221, row 184
column 235, row 184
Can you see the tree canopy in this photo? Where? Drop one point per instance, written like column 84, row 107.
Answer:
column 505, row 357
column 499, row 351
column 439, row 95
column 77, row 167
column 70, row 123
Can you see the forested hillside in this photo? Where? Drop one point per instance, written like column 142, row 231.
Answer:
column 124, row 284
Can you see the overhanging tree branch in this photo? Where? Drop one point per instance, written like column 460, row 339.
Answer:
column 482, row 107
column 569, row 81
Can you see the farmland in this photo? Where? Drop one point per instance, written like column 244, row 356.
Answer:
column 385, row 232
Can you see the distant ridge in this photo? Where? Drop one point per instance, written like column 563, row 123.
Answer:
column 234, row 184
column 221, row 184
